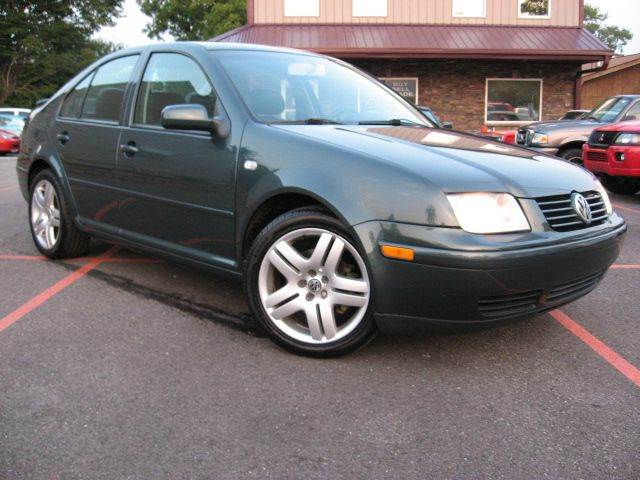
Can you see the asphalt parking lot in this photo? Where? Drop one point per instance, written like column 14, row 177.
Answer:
column 123, row 366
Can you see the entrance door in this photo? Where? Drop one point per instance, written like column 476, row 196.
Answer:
column 180, row 185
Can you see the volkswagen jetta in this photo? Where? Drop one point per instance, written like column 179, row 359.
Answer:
column 336, row 201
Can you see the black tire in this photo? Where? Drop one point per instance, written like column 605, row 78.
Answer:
column 70, row 242
column 307, row 217
column 573, row 155
column 621, row 185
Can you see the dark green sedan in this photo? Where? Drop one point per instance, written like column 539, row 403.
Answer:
column 336, row 201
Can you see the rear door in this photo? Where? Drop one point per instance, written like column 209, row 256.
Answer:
column 180, row 185
column 86, row 136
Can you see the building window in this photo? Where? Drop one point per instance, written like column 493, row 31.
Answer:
column 513, row 101
column 370, row 8
column 301, row 8
column 534, row 8
column 469, row 8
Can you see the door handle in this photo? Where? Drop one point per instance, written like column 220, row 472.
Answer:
column 129, row 148
column 63, row 138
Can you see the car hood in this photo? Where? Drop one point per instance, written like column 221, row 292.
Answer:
column 562, row 126
column 453, row 161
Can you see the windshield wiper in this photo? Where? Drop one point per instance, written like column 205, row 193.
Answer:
column 310, row 121
column 395, row 122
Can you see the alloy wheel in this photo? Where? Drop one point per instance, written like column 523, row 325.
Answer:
column 45, row 214
column 314, row 286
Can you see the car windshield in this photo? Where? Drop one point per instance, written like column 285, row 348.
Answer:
column 297, row 88
column 609, row 110
column 11, row 123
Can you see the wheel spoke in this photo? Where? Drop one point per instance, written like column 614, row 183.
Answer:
column 291, row 255
column 348, row 300
column 335, row 254
column 283, row 267
column 349, row 284
column 55, row 217
column 48, row 195
column 279, row 296
column 50, row 236
column 39, row 200
column 287, row 309
column 313, row 322
column 328, row 320
column 321, row 250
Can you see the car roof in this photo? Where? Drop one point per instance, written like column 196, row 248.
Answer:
column 217, row 46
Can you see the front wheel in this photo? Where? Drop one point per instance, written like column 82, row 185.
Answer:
column 573, row 155
column 621, row 185
column 309, row 286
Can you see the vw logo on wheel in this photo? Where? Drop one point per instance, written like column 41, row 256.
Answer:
column 582, row 208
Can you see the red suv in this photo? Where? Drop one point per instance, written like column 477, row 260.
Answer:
column 613, row 152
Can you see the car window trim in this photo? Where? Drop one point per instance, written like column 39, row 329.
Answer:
column 131, row 123
column 71, row 90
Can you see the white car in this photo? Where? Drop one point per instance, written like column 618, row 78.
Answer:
column 16, row 112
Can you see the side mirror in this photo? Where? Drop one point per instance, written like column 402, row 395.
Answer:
column 194, row 117
column 41, row 102
column 447, row 125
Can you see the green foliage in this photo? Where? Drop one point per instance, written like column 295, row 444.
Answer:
column 46, row 42
column 535, row 7
column 193, row 19
column 615, row 37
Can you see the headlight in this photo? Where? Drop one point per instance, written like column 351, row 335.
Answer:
column 605, row 198
column 488, row 213
column 540, row 138
column 5, row 136
column 628, row 139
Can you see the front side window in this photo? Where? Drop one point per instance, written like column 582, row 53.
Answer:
column 513, row 100
column 105, row 96
column 534, row 8
column 468, row 8
column 294, row 88
column 171, row 79
column 301, row 8
column 609, row 110
column 72, row 105
column 370, row 8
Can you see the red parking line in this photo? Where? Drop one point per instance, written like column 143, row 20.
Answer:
column 628, row 209
column 7, row 188
column 53, row 290
column 608, row 354
column 624, row 267
column 23, row 257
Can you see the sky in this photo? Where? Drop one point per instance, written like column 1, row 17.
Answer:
column 129, row 29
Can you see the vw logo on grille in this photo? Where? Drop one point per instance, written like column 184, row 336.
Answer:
column 582, row 208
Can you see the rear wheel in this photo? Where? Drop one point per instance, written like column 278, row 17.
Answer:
column 573, row 155
column 52, row 227
column 621, row 185
column 309, row 285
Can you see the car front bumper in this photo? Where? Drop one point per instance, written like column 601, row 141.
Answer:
column 458, row 278
column 615, row 161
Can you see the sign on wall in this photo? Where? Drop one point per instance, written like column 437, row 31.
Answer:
column 407, row 88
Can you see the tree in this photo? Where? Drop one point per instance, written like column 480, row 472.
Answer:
column 195, row 19
column 615, row 37
column 46, row 42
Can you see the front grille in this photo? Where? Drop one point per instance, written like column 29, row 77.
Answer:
column 564, row 293
column 602, row 139
column 597, row 156
column 562, row 217
column 523, row 137
column 532, row 301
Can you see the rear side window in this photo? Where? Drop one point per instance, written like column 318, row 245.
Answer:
column 72, row 105
column 106, row 94
column 171, row 79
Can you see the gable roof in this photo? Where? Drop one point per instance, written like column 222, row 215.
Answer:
column 427, row 41
column 615, row 65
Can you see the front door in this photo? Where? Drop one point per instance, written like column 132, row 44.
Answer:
column 180, row 185
column 87, row 133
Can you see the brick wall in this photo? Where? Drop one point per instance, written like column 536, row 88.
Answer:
column 455, row 89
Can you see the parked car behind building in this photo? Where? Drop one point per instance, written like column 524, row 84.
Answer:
column 613, row 153
column 566, row 138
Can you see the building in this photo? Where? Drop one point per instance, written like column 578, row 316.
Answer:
column 475, row 62
column 620, row 77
